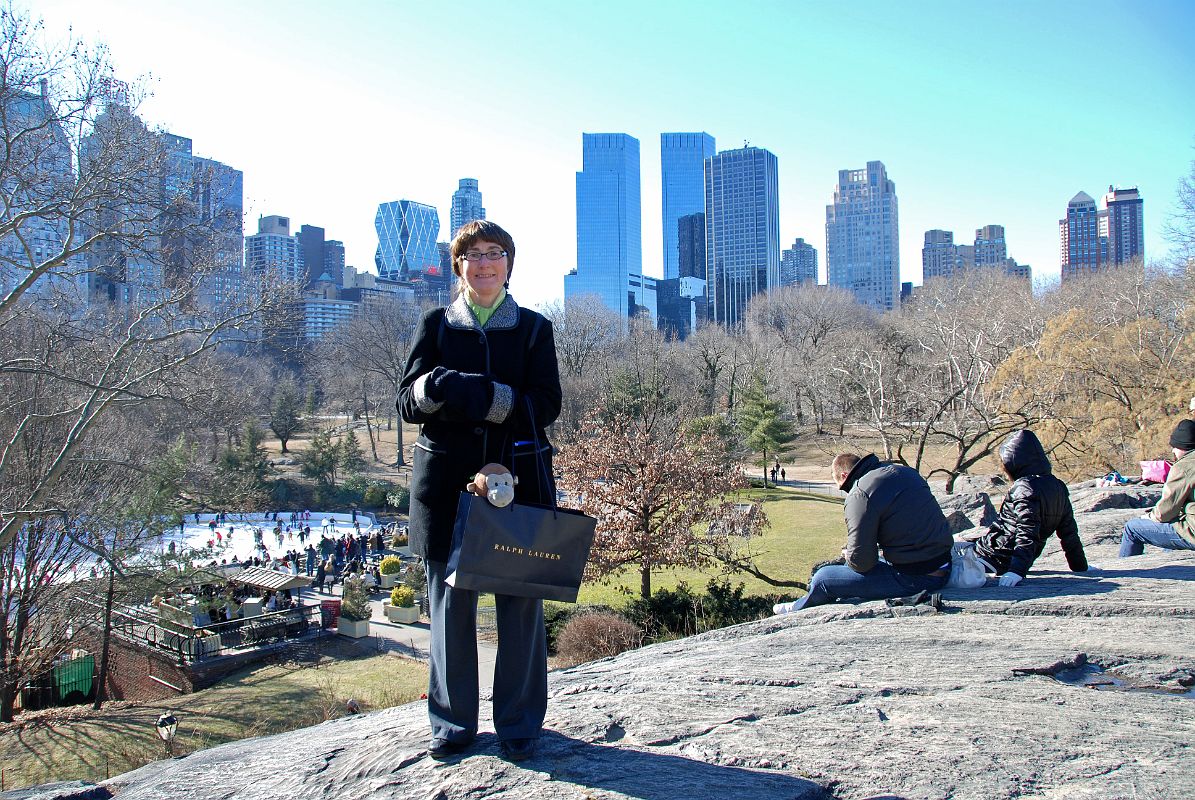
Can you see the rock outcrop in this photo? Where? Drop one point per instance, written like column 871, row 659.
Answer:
column 990, row 698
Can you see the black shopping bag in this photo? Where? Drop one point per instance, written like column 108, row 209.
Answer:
column 523, row 550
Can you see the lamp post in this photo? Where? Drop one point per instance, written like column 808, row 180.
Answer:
column 166, row 727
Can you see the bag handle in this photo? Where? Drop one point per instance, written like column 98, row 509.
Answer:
column 542, row 476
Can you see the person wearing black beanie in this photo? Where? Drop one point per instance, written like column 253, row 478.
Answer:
column 1171, row 523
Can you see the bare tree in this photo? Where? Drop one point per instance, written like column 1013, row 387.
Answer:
column 110, row 260
column 588, row 336
column 810, row 325
column 364, row 359
column 1179, row 229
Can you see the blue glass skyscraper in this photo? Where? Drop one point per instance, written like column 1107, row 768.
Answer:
column 742, row 230
column 407, row 234
column 609, row 219
column 682, row 186
column 466, row 205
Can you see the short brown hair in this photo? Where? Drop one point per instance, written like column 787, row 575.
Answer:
column 481, row 230
column 843, row 462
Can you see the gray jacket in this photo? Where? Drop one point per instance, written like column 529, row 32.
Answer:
column 889, row 507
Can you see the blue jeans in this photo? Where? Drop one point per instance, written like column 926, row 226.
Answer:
column 837, row 582
column 1140, row 532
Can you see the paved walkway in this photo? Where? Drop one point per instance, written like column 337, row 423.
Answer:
column 409, row 640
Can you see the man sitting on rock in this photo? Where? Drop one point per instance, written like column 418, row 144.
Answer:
column 889, row 507
column 1037, row 506
column 1171, row 523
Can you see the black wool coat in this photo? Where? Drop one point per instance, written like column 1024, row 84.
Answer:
column 517, row 351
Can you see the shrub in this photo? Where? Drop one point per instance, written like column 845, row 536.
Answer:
column 374, row 496
column 390, row 565
column 681, row 612
column 557, row 615
column 400, row 499
column 402, row 596
column 415, row 577
column 593, row 635
column 354, row 604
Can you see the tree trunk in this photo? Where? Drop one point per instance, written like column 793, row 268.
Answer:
column 373, row 443
column 645, row 582
column 399, row 458
column 8, row 677
column 102, row 680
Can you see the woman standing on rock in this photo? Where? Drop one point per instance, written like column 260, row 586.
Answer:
column 1037, row 506
column 475, row 369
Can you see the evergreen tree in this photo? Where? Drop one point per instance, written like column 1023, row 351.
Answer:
column 354, row 603
column 321, row 459
column 285, row 421
column 242, row 472
column 762, row 422
column 350, row 457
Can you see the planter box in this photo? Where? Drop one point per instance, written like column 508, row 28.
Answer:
column 353, row 629
column 404, row 614
column 391, row 580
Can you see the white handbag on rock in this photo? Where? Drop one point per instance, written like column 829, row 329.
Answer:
column 966, row 570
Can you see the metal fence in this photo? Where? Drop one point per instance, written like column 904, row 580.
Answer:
column 139, row 624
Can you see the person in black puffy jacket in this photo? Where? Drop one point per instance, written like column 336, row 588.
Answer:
column 1036, row 506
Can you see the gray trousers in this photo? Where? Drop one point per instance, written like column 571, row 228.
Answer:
column 520, row 673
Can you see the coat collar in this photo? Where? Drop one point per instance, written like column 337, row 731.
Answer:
column 459, row 315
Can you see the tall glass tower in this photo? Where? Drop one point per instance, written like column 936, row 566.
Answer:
column 609, row 218
column 682, row 186
column 1083, row 248
column 742, row 230
column 1126, row 225
column 862, row 242
column 466, row 205
column 407, row 234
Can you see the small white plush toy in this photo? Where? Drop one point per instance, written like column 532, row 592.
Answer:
column 495, row 483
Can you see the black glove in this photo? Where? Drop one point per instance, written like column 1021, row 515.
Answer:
column 433, row 386
column 468, row 393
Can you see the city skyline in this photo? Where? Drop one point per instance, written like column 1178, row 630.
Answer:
column 398, row 131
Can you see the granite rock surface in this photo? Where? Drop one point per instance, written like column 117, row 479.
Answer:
column 990, row 698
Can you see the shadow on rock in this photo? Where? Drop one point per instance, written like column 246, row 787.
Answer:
column 661, row 776
column 1169, row 572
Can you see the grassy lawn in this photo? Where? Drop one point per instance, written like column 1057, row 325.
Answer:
column 78, row 743
column 805, row 529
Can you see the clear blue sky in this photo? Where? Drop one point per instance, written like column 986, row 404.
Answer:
column 983, row 113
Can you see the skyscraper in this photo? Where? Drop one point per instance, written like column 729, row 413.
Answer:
column 799, row 264
column 609, row 238
column 466, row 205
column 1083, row 248
column 273, row 249
column 311, row 251
column 990, row 248
column 1126, row 225
column 939, row 256
column 38, row 173
column 690, row 241
column 334, row 260
column 407, row 241
column 682, row 186
column 742, row 230
column 862, row 238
